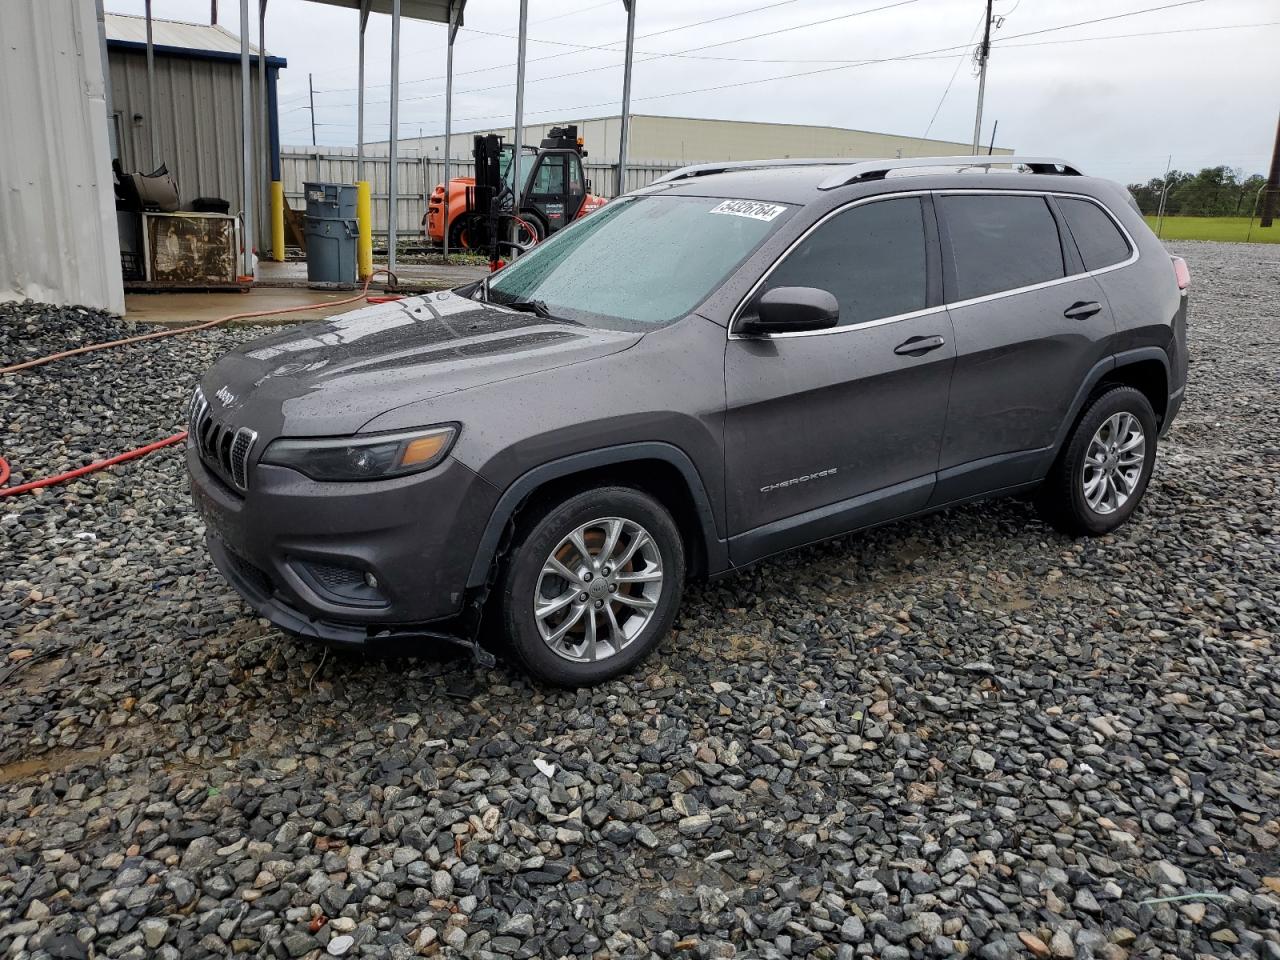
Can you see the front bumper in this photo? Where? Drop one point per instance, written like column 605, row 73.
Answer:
column 415, row 535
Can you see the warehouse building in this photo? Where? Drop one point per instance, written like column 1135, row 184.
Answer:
column 679, row 140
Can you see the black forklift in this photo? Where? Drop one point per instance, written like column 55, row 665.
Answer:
column 554, row 193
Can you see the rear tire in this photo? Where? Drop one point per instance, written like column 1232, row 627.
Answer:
column 468, row 232
column 536, row 225
column 576, row 619
column 1103, row 470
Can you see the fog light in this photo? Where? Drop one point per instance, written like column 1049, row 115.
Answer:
column 349, row 586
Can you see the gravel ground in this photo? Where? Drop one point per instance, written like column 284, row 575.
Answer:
column 963, row 734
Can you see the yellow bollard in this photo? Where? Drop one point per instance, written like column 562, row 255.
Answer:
column 364, row 216
column 277, row 221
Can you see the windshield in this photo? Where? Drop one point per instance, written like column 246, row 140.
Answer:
column 639, row 261
column 527, row 156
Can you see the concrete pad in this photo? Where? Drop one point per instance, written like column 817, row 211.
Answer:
column 427, row 276
column 183, row 309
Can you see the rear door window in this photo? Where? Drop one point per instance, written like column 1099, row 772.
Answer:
column 1099, row 240
column 1001, row 242
column 872, row 258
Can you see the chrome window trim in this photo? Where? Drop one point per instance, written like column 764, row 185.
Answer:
column 940, row 308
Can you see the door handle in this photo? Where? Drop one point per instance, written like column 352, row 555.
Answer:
column 1081, row 310
column 918, row 346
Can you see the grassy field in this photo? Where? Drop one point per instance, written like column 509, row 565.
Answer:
column 1233, row 229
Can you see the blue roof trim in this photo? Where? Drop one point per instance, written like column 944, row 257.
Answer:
column 187, row 53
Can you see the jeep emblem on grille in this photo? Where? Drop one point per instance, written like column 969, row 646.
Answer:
column 225, row 395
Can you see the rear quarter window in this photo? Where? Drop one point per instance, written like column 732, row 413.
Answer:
column 1001, row 242
column 1099, row 240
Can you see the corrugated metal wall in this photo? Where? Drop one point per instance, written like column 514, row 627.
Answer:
column 417, row 177
column 198, row 130
column 58, row 240
column 691, row 140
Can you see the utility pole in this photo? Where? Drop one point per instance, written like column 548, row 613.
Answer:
column 984, row 54
column 312, row 92
column 1273, row 184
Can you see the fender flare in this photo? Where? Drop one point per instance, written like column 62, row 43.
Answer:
column 527, row 483
column 1100, row 370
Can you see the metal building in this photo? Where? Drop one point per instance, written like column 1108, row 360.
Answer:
column 195, row 130
column 655, row 139
column 57, row 212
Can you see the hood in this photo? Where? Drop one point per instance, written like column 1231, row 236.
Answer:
column 331, row 377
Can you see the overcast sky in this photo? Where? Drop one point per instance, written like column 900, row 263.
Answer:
column 1116, row 103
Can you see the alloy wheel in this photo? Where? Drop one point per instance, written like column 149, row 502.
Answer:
column 1113, row 463
column 598, row 589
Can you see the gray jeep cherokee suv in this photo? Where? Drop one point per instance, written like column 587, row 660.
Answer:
column 736, row 360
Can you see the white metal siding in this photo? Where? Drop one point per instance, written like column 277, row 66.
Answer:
column 58, row 240
column 683, row 140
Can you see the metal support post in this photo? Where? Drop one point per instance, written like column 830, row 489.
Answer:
column 625, row 134
column 246, row 138
column 151, row 93
column 517, row 181
column 392, row 197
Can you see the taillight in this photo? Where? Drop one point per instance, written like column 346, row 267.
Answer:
column 1181, row 272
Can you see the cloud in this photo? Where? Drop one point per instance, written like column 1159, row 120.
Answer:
column 1119, row 106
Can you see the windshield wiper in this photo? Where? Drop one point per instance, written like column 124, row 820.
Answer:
column 538, row 307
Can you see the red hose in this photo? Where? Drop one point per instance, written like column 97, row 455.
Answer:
column 177, row 437
column 87, row 468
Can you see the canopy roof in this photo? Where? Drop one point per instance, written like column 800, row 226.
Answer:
column 173, row 33
column 436, row 11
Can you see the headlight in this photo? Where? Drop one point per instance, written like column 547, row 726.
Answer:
column 375, row 457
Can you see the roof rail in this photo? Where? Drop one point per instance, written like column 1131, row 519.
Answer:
column 879, row 169
column 706, row 169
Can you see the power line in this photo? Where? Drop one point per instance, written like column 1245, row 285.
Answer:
column 1148, row 33
column 842, row 66
column 852, row 63
column 552, row 56
column 954, row 73
column 1003, row 42
column 855, row 64
column 708, row 46
column 861, row 63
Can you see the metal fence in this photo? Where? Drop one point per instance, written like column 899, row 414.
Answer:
column 416, row 177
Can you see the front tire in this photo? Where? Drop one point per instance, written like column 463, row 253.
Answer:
column 592, row 586
column 1103, row 471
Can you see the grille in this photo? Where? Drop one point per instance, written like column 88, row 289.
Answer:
column 336, row 578
column 255, row 575
column 223, row 448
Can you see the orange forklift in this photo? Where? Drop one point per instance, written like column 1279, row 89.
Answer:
column 554, row 193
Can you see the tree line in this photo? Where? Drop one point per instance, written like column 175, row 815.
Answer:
column 1213, row 192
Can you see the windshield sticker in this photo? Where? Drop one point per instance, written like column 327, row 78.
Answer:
column 749, row 208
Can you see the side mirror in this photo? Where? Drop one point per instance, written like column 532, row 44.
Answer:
column 790, row 310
